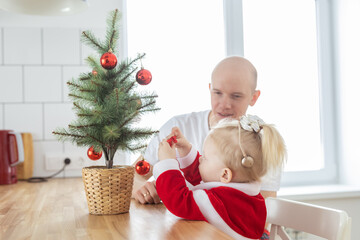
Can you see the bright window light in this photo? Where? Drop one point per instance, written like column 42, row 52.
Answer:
column 183, row 41
column 280, row 39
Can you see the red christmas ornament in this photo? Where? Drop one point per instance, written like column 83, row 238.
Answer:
column 108, row 60
column 172, row 140
column 142, row 167
column 94, row 72
column 143, row 77
column 93, row 155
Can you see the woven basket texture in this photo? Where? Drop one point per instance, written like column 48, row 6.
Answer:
column 108, row 191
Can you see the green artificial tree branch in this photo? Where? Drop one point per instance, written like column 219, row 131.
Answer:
column 97, row 84
column 85, row 115
column 73, row 84
column 86, row 90
column 88, row 37
column 128, row 120
column 111, row 40
column 70, row 135
column 112, row 34
column 127, row 76
column 129, row 87
column 146, row 105
column 140, row 56
column 80, row 97
column 82, row 126
column 133, row 149
column 77, row 106
column 115, row 19
column 91, row 61
column 96, row 139
column 84, row 78
column 149, row 110
column 122, row 67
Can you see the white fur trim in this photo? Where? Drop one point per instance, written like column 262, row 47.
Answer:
column 188, row 159
column 165, row 165
column 251, row 189
column 207, row 209
column 168, row 164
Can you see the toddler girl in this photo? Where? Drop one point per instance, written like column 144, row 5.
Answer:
column 222, row 186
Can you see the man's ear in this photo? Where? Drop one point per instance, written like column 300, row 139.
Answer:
column 255, row 97
column 226, row 175
column 209, row 86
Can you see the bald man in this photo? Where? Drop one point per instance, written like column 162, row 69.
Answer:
column 232, row 91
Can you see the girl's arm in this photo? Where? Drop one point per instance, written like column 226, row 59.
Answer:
column 188, row 164
column 172, row 189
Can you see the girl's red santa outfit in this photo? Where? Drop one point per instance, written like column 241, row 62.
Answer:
column 238, row 209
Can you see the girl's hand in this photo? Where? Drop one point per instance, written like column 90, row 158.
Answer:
column 183, row 146
column 165, row 151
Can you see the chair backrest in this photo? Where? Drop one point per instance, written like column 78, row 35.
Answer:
column 324, row 222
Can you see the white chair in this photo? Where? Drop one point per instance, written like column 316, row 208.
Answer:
column 324, row 222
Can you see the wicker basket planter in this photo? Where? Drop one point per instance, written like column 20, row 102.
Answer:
column 108, row 191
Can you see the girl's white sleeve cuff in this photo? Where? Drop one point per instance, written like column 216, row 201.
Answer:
column 165, row 165
column 188, row 159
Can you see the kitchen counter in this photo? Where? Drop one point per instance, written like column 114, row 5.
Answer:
column 57, row 209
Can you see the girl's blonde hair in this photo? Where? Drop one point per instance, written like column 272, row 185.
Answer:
column 249, row 154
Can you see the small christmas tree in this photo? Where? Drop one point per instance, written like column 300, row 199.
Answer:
column 106, row 102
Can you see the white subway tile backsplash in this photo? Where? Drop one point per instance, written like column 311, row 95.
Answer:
column 22, row 46
column 70, row 72
column 40, row 149
column 35, row 64
column 25, row 118
column 1, row 46
column 72, row 147
column 57, row 115
column 2, row 116
column 11, row 84
column 61, row 46
column 82, row 152
column 42, row 84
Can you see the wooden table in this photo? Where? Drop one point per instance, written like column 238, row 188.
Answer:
column 57, row 209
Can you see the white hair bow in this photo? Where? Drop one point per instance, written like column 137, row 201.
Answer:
column 251, row 123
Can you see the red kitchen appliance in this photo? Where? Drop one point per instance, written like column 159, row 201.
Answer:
column 11, row 154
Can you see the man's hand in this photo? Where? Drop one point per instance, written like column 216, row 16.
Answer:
column 143, row 191
column 147, row 194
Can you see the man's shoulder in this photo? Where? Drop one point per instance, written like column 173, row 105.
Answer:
column 201, row 115
column 190, row 122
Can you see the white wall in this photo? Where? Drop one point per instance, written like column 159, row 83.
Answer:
column 38, row 55
column 95, row 16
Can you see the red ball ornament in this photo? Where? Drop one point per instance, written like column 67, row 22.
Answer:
column 108, row 60
column 143, row 77
column 142, row 167
column 172, row 140
column 93, row 155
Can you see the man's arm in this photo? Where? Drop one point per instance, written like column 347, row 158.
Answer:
column 266, row 194
column 144, row 191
